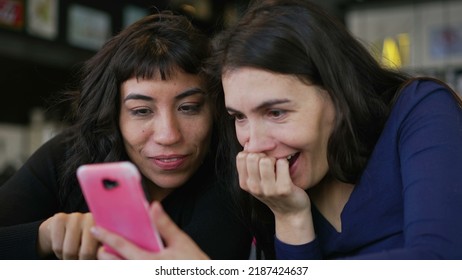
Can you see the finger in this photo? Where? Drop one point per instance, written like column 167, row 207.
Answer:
column 105, row 255
column 72, row 237
column 57, row 232
column 241, row 165
column 168, row 230
column 268, row 176
column 44, row 241
column 120, row 245
column 283, row 178
column 89, row 246
column 253, row 173
column 283, row 172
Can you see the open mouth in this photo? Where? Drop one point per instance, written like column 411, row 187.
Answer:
column 293, row 158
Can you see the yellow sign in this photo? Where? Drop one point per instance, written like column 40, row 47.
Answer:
column 395, row 51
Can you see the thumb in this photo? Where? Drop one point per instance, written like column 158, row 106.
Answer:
column 167, row 229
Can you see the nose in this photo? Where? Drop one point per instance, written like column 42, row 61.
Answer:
column 256, row 138
column 167, row 130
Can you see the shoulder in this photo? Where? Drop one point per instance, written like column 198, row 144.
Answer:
column 48, row 160
column 37, row 178
column 423, row 96
column 418, row 89
column 53, row 150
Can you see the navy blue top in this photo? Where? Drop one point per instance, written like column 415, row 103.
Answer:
column 408, row 202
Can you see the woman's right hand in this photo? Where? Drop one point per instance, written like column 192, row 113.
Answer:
column 268, row 179
column 178, row 245
column 68, row 236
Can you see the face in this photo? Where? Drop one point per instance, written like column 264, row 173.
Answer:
column 166, row 127
column 282, row 117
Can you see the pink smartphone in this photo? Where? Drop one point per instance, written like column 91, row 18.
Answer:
column 116, row 199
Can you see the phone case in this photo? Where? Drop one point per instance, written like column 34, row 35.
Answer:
column 116, row 199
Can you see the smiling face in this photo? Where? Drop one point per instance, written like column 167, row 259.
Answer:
column 166, row 127
column 282, row 117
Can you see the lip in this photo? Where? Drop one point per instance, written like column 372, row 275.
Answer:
column 169, row 162
column 293, row 163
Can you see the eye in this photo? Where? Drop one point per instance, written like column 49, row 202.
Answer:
column 237, row 117
column 276, row 113
column 140, row 112
column 190, row 108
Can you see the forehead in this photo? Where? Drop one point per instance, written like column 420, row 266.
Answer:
column 249, row 74
column 245, row 85
column 249, row 90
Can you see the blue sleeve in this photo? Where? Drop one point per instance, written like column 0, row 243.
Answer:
column 430, row 149
column 308, row 251
column 429, row 126
column 430, row 158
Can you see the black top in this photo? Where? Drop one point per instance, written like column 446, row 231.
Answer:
column 202, row 208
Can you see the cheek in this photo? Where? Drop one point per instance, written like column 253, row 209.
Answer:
column 124, row 126
column 200, row 132
column 134, row 134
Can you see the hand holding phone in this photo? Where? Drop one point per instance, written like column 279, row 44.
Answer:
column 116, row 199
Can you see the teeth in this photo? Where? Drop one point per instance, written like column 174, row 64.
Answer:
column 169, row 159
column 289, row 157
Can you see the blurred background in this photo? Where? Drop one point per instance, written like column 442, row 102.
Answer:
column 44, row 42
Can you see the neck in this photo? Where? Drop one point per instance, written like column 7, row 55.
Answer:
column 156, row 193
column 330, row 197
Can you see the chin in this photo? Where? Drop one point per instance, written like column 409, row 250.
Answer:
column 170, row 184
column 167, row 181
column 302, row 185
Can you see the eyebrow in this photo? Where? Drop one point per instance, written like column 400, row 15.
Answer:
column 184, row 94
column 263, row 105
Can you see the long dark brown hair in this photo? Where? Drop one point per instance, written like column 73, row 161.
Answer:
column 158, row 44
column 296, row 37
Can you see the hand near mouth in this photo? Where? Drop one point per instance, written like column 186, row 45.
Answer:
column 268, row 180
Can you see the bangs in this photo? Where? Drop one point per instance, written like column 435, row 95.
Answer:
column 156, row 47
column 145, row 62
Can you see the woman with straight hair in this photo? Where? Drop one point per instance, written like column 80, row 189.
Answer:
column 349, row 159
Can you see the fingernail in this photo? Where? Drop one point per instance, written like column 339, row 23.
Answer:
column 95, row 231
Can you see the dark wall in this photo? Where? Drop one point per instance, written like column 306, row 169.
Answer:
column 34, row 71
